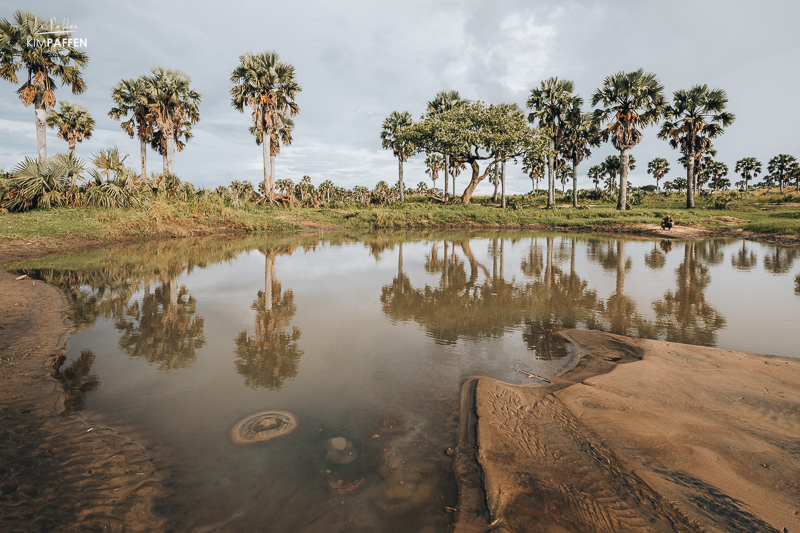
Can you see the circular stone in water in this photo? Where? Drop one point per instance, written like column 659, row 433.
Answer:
column 339, row 443
column 263, row 426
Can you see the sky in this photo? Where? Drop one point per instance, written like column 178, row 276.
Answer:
column 357, row 61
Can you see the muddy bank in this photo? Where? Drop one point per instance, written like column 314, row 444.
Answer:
column 59, row 473
column 678, row 438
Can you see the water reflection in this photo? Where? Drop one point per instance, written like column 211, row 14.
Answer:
column 655, row 259
column 163, row 329
column 77, row 379
column 271, row 355
column 781, row 259
column 744, row 259
column 684, row 315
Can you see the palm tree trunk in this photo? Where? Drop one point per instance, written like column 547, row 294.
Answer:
column 402, row 192
column 269, row 274
column 446, row 173
column 454, row 186
column 574, row 183
column 503, row 180
column 272, row 171
column 171, row 152
column 265, row 154
column 551, row 181
column 690, row 181
column 143, row 152
column 41, row 121
column 622, row 203
column 72, row 148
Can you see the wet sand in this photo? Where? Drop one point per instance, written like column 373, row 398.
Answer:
column 640, row 436
column 59, row 473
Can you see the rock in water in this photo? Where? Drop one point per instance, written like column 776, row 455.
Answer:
column 263, row 426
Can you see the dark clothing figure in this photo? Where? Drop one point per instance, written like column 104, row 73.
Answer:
column 667, row 223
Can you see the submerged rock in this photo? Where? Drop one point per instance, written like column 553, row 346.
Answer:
column 263, row 426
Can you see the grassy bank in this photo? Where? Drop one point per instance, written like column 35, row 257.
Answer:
column 766, row 214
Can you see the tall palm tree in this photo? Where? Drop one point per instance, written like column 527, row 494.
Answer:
column 550, row 103
column 266, row 85
column 444, row 101
column 658, row 168
column 748, row 168
column 131, row 97
column 433, row 164
column 780, row 168
column 281, row 136
column 391, row 138
column 694, row 118
column 580, row 133
column 43, row 60
column 631, row 100
column 171, row 105
column 74, row 123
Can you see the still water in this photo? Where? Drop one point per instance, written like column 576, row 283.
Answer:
column 369, row 339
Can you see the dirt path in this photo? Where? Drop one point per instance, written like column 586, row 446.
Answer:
column 59, row 473
column 681, row 438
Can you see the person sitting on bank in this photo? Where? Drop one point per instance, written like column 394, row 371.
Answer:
column 667, row 223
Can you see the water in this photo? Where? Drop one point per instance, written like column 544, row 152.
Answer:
column 369, row 339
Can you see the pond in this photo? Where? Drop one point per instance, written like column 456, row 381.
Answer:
column 366, row 341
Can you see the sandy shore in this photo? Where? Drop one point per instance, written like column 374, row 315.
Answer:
column 59, row 473
column 641, row 436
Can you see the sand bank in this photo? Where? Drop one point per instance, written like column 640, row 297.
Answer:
column 640, row 436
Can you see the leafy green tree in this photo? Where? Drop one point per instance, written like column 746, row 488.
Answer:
column 533, row 163
column 266, row 85
column 780, row 168
column 131, row 98
column 694, row 118
column 171, row 102
column 748, row 168
column 580, row 133
column 74, row 123
column 551, row 103
column 445, row 101
column 43, row 51
column 392, row 138
column 630, row 100
column 658, row 168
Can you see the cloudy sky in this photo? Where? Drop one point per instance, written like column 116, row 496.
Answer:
column 357, row 61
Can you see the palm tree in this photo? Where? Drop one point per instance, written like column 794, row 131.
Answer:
column 748, row 168
column 633, row 99
column 444, row 101
column 533, row 165
column 266, row 85
column 613, row 166
column 780, row 168
column 171, row 105
column 282, row 136
column 580, row 133
column 550, row 103
column 694, row 118
column 716, row 171
column 658, row 168
column 433, row 164
column 74, row 123
column 131, row 97
column 43, row 61
column 596, row 173
column 391, row 137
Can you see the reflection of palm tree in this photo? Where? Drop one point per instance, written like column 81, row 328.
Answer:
column 744, row 258
column 532, row 265
column 78, row 380
column 620, row 308
column 655, row 260
column 163, row 328
column 781, row 260
column 684, row 315
column 271, row 355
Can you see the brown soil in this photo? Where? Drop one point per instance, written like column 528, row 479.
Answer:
column 680, row 438
column 58, row 473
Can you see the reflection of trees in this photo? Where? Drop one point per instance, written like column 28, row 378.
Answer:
column 684, row 315
column 797, row 285
column 78, row 381
column 655, row 259
column 709, row 251
column 619, row 310
column 163, row 328
column 271, row 355
column 473, row 302
column 781, row 259
column 744, row 258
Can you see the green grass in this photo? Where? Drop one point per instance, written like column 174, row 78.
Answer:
column 760, row 213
